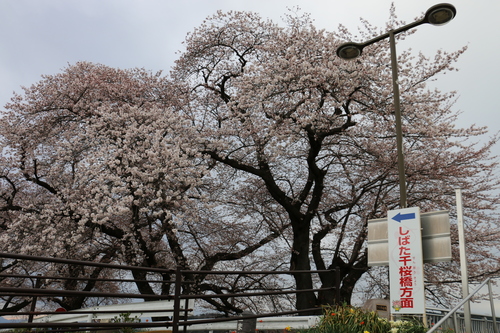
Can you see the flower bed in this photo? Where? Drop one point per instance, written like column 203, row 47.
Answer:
column 348, row 319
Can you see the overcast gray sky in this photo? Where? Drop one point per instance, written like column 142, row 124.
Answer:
column 44, row 36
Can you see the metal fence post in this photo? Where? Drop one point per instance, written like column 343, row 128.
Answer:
column 38, row 284
column 455, row 322
column 463, row 260
column 337, row 285
column 246, row 325
column 177, row 300
column 492, row 304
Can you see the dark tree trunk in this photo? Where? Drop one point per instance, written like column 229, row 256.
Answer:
column 331, row 296
column 345, row 280
column 142, row 285
column 350, row 276
column 300, row 262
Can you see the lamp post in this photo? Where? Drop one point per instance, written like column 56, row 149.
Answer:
column 436, row 15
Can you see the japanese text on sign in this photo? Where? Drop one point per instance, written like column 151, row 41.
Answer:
column 405, row 261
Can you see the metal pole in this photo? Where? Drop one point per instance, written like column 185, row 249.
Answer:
column 492, row 305
column 38, row 284
column 337, row 286
column 454, row 310
column 455, row 322
column 177, row 300
column 463, row 261
column 399, row 131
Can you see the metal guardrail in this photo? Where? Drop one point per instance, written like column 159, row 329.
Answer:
column 451, row 320
column 180, row 305
column 109, row 312
column 179, row 312
column 456, row 322
column 262, row 324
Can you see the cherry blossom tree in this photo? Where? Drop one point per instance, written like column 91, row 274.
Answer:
column 53, row 160
column 261, row 149
column 98, row 164
column 302, row 137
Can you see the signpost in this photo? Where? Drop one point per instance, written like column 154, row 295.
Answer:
column 436, row 238
column 406, row 261
column 404, row 241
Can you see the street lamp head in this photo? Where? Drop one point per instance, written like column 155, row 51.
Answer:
column 349, row 50
column 436, row 15
column 440, row 14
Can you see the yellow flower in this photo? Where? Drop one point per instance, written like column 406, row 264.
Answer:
column 288, row 328
column 366, row 332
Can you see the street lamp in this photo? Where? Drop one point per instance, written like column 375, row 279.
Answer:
column 436, row 15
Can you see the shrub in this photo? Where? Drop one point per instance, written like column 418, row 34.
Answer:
column 126, row 318
column 348, row 319
column 407, row 326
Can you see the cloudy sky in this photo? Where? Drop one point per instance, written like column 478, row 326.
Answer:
column 43, row 36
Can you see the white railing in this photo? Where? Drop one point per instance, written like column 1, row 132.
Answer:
column 479, row 323
column 458, row 323
column 108, row 312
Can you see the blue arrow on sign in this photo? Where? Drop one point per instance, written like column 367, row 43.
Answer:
column 400, row 217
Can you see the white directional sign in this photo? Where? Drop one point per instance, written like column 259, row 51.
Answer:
column 406, row 268
column 436, row 238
